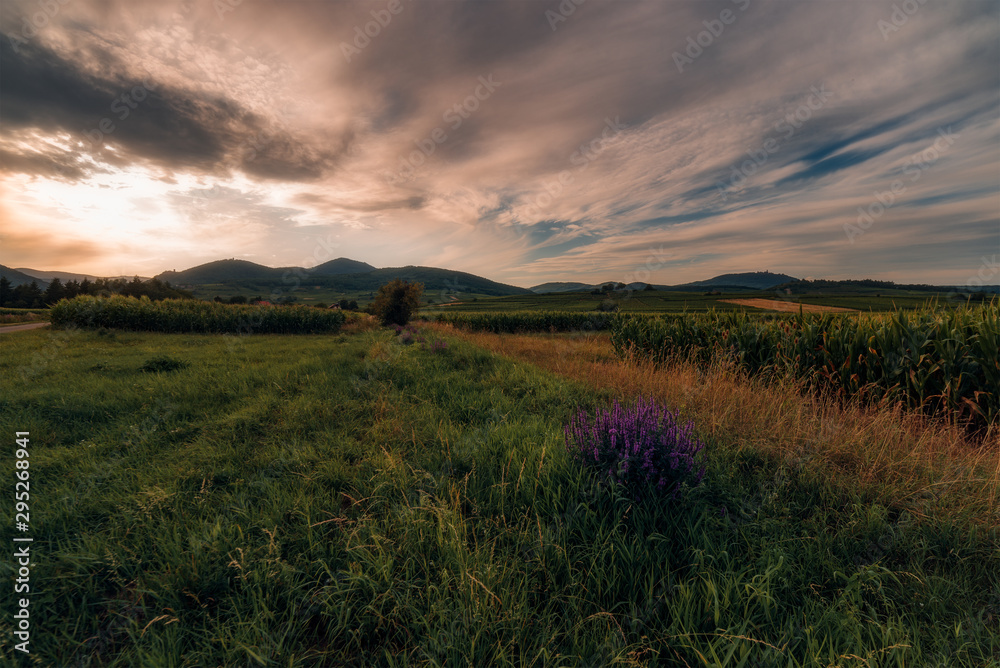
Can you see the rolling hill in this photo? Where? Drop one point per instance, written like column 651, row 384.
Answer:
column 342, row 265
column 561, row 287
column 342, row 274
column 17, row 277
column 755, row 280
column 222, row 271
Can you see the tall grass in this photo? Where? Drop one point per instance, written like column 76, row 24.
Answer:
column 528, row 321
column 353, row 501
column 940, row 361
column 184, row 315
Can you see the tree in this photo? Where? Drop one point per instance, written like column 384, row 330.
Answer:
column 6, row 291
column 86, row 287
column 28, row 296
column 649, row 287
column 238, row 299
column 396, row 301
column 54, row 292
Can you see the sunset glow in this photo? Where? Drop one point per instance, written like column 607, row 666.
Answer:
column 515, row 140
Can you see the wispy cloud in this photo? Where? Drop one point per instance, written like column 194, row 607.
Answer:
column 256, row 136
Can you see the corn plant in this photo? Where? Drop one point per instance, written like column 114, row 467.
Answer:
column 939, row 361
column 191, row 316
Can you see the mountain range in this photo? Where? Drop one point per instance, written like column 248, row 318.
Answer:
column 342, row 274
column 351, row 276
column 755, row 280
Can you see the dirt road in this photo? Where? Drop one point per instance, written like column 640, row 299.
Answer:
column 21, row 328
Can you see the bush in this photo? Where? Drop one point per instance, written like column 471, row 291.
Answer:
column 396, row 301
column 608, row 306
column 637, row 446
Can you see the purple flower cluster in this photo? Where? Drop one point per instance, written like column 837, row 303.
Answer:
column 410, row 334
column 637, row 445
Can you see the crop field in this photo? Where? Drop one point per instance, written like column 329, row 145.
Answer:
column 661, row 301
column 181, row 315
column 787, row 306
column 351, row 499
column 945, row 362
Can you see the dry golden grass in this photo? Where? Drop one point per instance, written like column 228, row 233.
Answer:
column 899, row 458
column 359, row 322
column 787, row 307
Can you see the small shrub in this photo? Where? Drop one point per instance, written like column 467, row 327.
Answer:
column 396, row 301
column 608, row 306
column 642, row 444
column 162, row 363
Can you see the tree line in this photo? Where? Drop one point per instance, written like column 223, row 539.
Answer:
column 30, row 295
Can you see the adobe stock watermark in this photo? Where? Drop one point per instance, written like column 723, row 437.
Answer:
column 696, row 44
column 585, row 154
column 899, row 17
column 223, row 7
column 787, row 126
column 36, row 21
column 123, row 105
column 363, row 35
column 914, row 167
column 454, row 116
column 989, row 270
column 566, row 9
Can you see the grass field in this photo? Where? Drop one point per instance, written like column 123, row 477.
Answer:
column 323, row 500
column 658, row 301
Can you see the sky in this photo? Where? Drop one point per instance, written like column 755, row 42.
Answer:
column 521, row 140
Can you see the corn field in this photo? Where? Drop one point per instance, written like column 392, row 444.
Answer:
column 192, row 316
column 939, row 361
column 529, row 321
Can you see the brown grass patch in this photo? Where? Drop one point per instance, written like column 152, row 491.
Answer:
column 787, row 307
column 900, row 458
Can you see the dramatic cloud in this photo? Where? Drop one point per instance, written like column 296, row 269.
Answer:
column 526, row 141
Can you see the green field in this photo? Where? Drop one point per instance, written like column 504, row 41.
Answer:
column 347, row 500
column 665, row 301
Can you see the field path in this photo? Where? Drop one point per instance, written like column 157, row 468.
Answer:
column 787, row 307
column 18, row 328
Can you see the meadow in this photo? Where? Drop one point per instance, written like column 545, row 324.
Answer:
column 350, row 500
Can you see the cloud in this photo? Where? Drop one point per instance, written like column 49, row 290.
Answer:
column 400, row 151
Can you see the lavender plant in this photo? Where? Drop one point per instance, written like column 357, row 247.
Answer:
column 640, row 444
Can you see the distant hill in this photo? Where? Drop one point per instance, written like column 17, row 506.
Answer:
column 341, row 265
column 17, row 277
column 61, row 275
column 222, row 271
column 561, row 287
column 435, row 279
column 336, row 275
column 69, row 276
column 755, row 280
